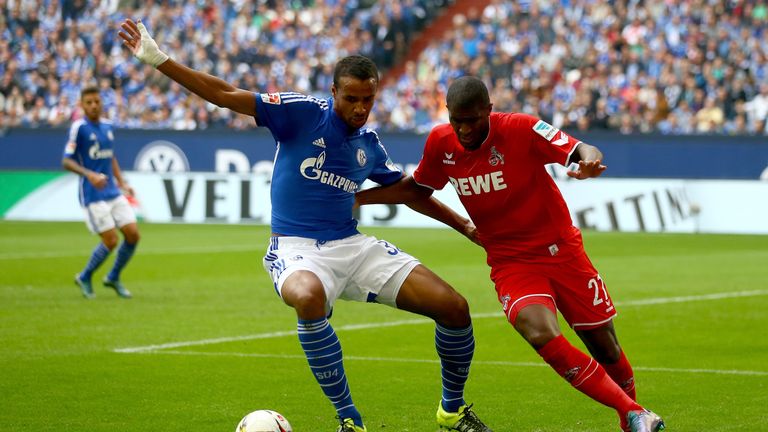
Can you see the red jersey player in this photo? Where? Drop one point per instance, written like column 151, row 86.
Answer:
column 495, row 162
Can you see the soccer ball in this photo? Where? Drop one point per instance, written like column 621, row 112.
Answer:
column 264, row 421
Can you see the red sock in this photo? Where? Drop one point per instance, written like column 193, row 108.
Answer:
column 586, row 375
column 621, row 373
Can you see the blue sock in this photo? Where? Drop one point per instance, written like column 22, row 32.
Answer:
column 323, row 351
column 124, row 254
column 455, row 348
column 99, row 254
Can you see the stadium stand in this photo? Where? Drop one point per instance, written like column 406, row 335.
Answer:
column 690, row 67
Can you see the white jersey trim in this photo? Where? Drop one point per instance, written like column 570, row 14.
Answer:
column 574, row 325
column 73, row 130
column 423, row 185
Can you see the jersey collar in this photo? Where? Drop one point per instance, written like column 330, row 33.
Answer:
column 488, row 137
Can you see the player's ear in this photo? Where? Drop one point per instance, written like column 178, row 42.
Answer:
column 333, row 90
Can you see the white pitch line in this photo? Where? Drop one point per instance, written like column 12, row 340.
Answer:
column 685, row 299
column 434, row 361
column 264, row 336
column 646, row 302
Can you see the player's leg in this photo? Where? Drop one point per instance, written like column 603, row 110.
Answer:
column 586, row 305
column 100, row 222
column 604, row 346
column 125, row 251
column 528, row 296
column 390, row 276
column 305, row 284
column 537, row 323
column 124, row 254
column 125, row 218
column 424, row 293
column 304, row 292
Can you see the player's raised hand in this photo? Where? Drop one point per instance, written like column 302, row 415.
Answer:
column 587, row 169
column 136, row 37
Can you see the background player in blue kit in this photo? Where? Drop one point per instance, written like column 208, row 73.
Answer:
column 89, row 153
column 316, row 254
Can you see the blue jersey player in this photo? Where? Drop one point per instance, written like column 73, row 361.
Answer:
column 316, row 254
column 89, row 153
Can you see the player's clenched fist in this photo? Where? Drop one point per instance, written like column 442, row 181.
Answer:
column 136, row 37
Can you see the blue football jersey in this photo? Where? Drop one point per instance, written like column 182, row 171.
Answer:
column 319, row 165
column 91, row 145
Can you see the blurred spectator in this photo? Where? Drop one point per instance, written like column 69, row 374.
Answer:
column 710, row 117
column 651, row 66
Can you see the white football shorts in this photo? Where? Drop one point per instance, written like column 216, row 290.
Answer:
column 359, row 268
column 102, row 216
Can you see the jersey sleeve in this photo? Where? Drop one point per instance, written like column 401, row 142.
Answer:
column 282, row 113
column 384, row 172
column 552, row 144
column 429, row 173
column 71, row 146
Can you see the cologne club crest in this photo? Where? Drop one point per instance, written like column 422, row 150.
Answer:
column 496, row 157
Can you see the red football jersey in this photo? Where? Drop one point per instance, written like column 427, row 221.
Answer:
column 515, row 204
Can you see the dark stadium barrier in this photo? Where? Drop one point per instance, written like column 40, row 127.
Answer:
column 222, row 150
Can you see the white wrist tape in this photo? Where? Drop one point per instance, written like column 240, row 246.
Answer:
column 149, row 52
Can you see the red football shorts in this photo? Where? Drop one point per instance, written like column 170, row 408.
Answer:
column 571, row 286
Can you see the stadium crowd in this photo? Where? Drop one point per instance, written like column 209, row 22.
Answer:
column 687, row 67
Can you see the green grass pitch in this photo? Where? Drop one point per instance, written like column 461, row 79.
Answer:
column 206, row 340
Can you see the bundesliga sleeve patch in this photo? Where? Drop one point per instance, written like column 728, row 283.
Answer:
column 544, row 129
column 70, row 147
column 271, row 98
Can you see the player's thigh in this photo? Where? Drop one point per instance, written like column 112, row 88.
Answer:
column 123, row 214
column 98, row 217
column 296, row 262
column 424, row 293
column 582, row 296
column 528, row 301
column 522, row 285
column 131, row 232
column 378, row 270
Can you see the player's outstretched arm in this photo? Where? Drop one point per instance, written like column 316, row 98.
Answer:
column 402, row 191
column 434, row 208
column 590, row 160
column 419, row 198
column 215, row 90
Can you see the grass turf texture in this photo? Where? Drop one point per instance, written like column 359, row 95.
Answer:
column 60, row 369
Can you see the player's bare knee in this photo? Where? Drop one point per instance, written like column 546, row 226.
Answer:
column 307, row 303
column 536, row 333
column 455, row 313
column 537, row 338
column 132, row 237
column 304, row 292
column 110, row 242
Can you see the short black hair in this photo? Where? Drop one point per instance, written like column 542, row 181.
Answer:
column 467, row 92
column 355, row 66
column 91, row 89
